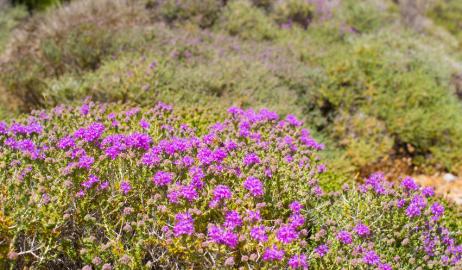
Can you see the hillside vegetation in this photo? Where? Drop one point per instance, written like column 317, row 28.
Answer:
column 229, row 134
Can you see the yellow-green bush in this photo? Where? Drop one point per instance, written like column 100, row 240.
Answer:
column 448, row 13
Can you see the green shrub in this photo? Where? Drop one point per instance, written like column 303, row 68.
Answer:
column 33, row 5
column 241, row 19
column 448, row 13
column 294, row 11
column 71, row 39
column 201, row 12
column 9, row 18
column 403, row 93
column 363, row 16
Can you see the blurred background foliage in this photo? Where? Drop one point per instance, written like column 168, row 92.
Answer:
column 380, row 81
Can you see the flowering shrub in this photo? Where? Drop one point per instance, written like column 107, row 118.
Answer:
column 109, row 187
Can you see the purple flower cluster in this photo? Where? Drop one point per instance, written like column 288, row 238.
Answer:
column 362, row 230
column 223, row 236
column 251, row 182
column 273, row 254
column 344, row 237
column 162, row 178
column 254, row 186
column 184, row 224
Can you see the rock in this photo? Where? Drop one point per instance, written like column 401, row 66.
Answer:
column 449, row 177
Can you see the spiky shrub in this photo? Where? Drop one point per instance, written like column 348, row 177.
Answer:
column 107, row 186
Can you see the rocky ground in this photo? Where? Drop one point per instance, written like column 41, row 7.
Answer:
column 448, row 185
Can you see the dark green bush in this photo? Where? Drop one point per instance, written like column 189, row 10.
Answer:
column 33, row 5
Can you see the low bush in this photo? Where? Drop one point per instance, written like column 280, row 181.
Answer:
column 448, row 14
column 241, row 18
column 202, row 13
column 9, row 19
column 69, row 39
column 106, row 186
column 384, row 99
column 294, row 11
column 36, row 5
column 193, row 68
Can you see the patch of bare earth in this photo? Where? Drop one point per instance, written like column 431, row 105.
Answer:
column 447, row 185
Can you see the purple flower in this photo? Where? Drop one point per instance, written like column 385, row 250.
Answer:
column 85, row 109
column 222, row 192
column 400, row 203
column 428, row 192
column 125, row 187
column 362, row 230
column 230, row 145
column 80, row 194
column 375, row 181
column 259, row 233
column 235, row 111
column 254, row 186
column 92, row 179
column 219, row 155
column 90, row 133
column 152, row 157
column 104, row 185
column 221, row 236
column 371, row 258
column 253, row 216
column 292, row 120
column 273, row 254
column 138, row 141
column 344, row 237
column 322, row 168
column 3, row 128
column 416, row 206
column 189, row 193
column 409, row 184
column 437, row 211
column 298, row 261
column 162, row 178
column 196, row 174
column 144, row 124
column 184, row 224
column 295, row 207
column 85, row 162
column 413, row 210
column 66, row 142
column 251, row 158
column 296, row 220
column 385, row 266
column 321, row 250
column 232, row 220
column 287, row 234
